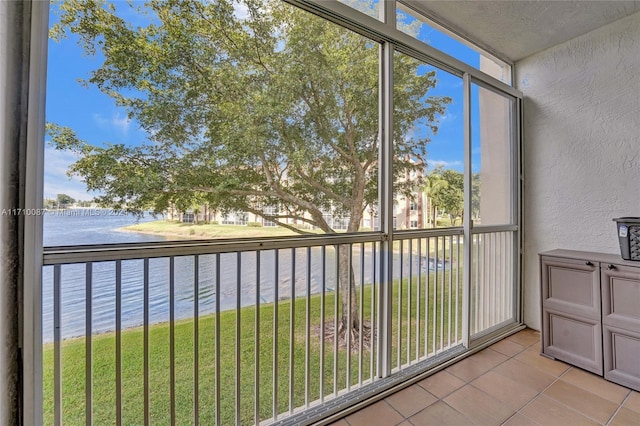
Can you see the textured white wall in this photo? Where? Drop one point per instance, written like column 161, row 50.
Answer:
column 581, row 145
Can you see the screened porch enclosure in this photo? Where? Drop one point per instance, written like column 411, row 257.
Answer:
column 289, row 330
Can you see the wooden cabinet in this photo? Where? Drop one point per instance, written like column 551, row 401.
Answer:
column 591, row 313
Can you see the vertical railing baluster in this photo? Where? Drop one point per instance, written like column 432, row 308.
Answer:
column 57, row 347
column 118, row 342
column 292, row 314
column 335, row 319
column 276, row 302
column 238, row 335
column 400, row 295
column 323, row 283
column 88, row 335
column 172, row 338
column 196, row 340
column 435, row 294
column 450, row 295
column 349, row 313
column 444, row 268
column 479, row 287
column 427, row 301
column 492, row 278
column 217, row 343
column 418, row 299
column 457, row 286
column 507, row 279
column 307, row 336
column 372, row 338
column 361, row 318
column 409, row 299
column 485, row 270
column 147, row 407
column 513, row 303
column 500, row 280
column 256, row 385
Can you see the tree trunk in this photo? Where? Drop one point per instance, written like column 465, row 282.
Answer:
column 434, row 218
column 350, row 318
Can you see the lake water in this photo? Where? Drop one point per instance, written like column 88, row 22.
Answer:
column 239, row 276
column 92, row 226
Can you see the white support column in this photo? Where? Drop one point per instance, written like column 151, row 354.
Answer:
column 386, row 198
column 467, row 223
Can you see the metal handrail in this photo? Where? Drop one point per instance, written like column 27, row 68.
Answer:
column 125, row 251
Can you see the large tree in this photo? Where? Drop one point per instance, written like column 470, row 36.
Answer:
column 247, row 104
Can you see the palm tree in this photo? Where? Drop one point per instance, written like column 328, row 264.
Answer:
column 434, row 183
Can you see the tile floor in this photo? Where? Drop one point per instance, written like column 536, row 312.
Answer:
column 509, row 383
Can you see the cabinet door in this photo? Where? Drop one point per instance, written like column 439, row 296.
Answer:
column 571, row 286
column 573, row 339
column 621, row 297
column 622, row 356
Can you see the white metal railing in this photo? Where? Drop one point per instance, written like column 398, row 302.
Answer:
column 428, row 294
column 241, row 332
column 493, row 274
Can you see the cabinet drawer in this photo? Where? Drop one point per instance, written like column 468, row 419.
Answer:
column 576, row 340
column 571, row 286
column 621, row 297
column 622, row 356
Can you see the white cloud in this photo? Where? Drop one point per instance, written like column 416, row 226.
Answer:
column 445, row 164
column 121, row 123
column 56, row 181
column 118, row 122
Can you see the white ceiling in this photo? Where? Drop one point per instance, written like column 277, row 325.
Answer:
column 513, row 30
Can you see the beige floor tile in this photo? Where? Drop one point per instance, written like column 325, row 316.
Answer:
column 411, row 400
column 341, row 422
column 595, row 384
column 587, row 403
column 526, row 337
column 626, row 417
column 548, row 412
column 511, row 393
column 519, row 420
column 379, row 413
column 479, row 406
column 439, row 414
column 468, row 369
column 524, row 374
column 405, row 423
column 534, row 359
column 441, row 384
column 507, row 347
column 489, row 358
column 633, row 402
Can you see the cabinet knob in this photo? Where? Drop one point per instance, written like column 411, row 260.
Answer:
column 588, row 263
column 611, row 267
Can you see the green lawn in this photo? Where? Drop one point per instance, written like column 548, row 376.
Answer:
column 73, row 355
column 200, row 231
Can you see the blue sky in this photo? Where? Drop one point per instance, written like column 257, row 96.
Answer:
column 96, row 119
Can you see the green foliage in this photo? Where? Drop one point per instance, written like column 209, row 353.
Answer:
column 64, row 200
column 254, row 224
column 275, row 108
column 448, row 194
